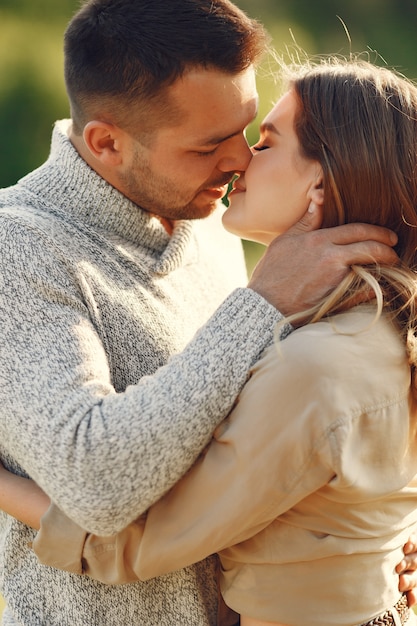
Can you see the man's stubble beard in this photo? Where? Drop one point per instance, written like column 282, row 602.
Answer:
column 159, row 196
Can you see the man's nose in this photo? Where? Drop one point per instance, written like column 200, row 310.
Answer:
column 238, row 155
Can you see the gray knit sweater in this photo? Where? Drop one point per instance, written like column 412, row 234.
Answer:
column 95, row 298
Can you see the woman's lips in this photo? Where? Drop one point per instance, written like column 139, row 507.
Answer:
column 237, row 189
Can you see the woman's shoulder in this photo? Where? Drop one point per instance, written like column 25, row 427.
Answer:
column 353, row 334
column 350, row 351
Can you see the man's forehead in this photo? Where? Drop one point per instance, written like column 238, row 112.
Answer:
column 214, row 105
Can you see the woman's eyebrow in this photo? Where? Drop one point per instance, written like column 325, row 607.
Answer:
column 267, row 126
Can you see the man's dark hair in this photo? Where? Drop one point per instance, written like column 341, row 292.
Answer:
column 129, row 51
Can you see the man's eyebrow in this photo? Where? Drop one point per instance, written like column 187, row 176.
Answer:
column 211, row 141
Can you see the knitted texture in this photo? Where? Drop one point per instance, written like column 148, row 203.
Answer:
column 95, row 298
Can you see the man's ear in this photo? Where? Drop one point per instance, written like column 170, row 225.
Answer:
column 104, row 142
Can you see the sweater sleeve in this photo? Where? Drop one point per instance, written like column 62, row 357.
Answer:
column 105, row 457
column 266, row 456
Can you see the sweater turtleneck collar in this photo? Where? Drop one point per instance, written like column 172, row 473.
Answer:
column 69, row 187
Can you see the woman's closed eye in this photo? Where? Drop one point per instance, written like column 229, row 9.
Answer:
column 260, row 147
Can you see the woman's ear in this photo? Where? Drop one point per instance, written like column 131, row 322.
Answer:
column 103, row 140
column 316, row 192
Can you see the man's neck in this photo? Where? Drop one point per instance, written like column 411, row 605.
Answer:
column 166, row 223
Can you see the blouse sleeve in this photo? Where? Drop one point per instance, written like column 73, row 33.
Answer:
column 266, row 456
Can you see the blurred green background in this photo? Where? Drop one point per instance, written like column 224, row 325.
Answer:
column 32, row 94
column 32, row 91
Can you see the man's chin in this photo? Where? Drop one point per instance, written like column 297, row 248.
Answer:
column 199, row 210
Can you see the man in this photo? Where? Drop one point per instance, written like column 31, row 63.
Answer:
column 107, row 271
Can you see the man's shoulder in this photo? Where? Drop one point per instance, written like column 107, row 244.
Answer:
column 22, row 215
column 18, row 202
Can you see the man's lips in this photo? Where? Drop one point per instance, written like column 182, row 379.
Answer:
column 218, row 192
column 219, row 189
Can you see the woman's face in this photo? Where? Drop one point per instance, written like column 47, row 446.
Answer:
column 279, row 183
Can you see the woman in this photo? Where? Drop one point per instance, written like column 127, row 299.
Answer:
column 308, row 505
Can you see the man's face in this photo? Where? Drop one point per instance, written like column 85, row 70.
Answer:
column 185, row 170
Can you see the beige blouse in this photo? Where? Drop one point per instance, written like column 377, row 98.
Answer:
column 308, row 490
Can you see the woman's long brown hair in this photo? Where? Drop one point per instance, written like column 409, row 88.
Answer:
column 359, row 121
